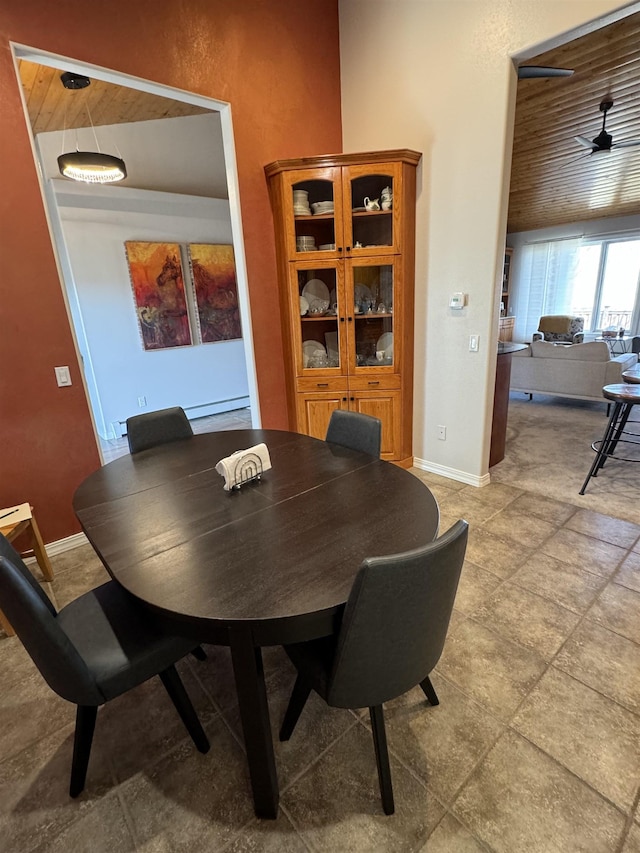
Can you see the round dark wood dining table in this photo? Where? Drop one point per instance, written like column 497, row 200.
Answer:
column 270, row 563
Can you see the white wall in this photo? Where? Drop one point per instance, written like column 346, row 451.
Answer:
column 95, row 224
column 436, row 76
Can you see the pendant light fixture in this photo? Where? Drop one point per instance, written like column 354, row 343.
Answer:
column 92, row 167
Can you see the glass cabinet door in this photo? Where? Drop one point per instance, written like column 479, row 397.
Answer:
column 374, row 196
column 373, row 288
column 313, row 202
column 317, row 294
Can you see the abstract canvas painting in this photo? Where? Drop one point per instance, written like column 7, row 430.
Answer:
column 158, row 290
column 213, row 272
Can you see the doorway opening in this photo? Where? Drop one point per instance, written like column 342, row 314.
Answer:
column 182, row 191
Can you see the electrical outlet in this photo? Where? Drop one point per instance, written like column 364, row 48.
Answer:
column 474, row 343
column 142, row 402
column 442, row 433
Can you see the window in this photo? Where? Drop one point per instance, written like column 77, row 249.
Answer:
column 594, row 279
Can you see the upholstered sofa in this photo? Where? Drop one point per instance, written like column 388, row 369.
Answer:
column 578, row 370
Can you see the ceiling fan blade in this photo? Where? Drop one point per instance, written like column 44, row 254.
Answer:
column 530, row 72
column 561, row 165
column 586, row 142
column 626, row 143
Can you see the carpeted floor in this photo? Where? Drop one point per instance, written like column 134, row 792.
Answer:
column 549, row 452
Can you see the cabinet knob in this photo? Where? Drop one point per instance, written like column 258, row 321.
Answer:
column 339, row 248
column 342, row 319
column 352, row 399
column 350, row 319
column 348, row 248
column 344, row 399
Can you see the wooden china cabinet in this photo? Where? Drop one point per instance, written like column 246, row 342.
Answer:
column 345, row 237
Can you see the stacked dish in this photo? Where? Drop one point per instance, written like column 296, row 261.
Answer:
column 321, row 207
column 327, row 247
column 306, row 243
column 301, row 203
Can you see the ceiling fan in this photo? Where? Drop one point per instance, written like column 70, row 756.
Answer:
column 530, row 72
column 604, row 141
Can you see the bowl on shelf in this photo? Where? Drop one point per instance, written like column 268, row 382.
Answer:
column 327, row 247
column 322, row 207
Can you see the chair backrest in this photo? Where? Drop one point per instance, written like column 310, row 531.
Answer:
column 154, row 428
column 33, row 617
column 356, row 431
column 560, row 327
column 635, row 344
column 395, row 622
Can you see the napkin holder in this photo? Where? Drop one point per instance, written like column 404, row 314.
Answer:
column 243, row 466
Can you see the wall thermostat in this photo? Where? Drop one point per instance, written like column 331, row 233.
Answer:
column 457, row 300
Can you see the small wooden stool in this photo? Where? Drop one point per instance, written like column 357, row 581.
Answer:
column 624, row 397
column 11, row 530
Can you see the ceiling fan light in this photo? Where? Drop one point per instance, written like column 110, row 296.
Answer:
column 92, row 167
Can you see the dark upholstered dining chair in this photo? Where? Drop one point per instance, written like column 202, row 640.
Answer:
column 356, row 431
column 154, row 428
column 99, row 646
column 391, row 637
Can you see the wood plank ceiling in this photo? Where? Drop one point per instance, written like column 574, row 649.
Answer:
column 555, row 180
column 52, row 107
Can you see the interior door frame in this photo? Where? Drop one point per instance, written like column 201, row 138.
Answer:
column 42, row 57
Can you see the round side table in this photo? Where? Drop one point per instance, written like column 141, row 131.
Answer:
column 632, row 375
column 624, row 397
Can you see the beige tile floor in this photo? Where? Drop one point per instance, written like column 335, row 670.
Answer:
column 534, row 747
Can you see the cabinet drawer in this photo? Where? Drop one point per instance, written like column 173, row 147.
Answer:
column 321, row 383
column 373, row 382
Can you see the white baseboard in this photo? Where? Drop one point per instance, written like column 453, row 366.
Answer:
column 62, row 545
column 66, row 544
column 452, row 473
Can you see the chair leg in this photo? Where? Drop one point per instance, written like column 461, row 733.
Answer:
column 429, row 692
column 39, row 551
column 298, row 700
column 6, row 625
column 82, row 740
column 601, row 453
column 382, row 758
column 199, row 653
column 180, row 698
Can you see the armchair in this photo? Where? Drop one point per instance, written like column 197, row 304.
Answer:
column 560, row 329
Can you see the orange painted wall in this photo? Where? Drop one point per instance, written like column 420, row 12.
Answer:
column 259, row 55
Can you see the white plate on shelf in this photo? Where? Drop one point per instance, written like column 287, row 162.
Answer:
column 309, row 349
column 385, row 342
column 316, row 293
column 304, row 306
column 361, row 291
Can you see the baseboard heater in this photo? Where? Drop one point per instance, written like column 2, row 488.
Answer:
column 202, row 410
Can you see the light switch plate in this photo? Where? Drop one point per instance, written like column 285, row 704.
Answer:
column 63, row 377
